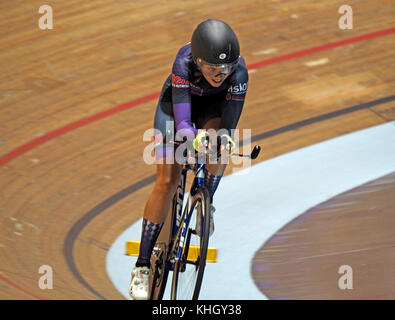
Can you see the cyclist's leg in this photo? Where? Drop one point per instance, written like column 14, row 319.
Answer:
column 158, row 203
column 213, row 171
column 206, row 114
column 212, row 175
column 218, row 113
column 168, row 175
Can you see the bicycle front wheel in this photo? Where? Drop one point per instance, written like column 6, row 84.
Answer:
column 188, row 271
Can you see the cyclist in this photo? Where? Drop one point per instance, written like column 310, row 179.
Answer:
column 206, row 90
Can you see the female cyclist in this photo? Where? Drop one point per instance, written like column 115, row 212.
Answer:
column 206, row 90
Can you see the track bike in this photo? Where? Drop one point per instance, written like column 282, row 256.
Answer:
column 183, row 242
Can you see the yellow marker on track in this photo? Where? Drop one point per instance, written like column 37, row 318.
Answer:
column 133, row 249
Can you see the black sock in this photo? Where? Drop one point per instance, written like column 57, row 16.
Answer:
column 149, row 235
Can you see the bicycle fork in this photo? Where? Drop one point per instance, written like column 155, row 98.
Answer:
column 198, row 182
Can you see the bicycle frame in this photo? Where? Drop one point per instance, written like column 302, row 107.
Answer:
column 171, row 229
column 177, row 249
column 199, row 177
column 167, row 251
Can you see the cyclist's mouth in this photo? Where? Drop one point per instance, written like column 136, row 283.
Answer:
column 217, row 83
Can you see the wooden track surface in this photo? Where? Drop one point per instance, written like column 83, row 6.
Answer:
column 105, row 53
column 354, row 229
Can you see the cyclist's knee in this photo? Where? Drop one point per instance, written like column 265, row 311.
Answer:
column 213, row 123
column 166, row 185
column 167, row 178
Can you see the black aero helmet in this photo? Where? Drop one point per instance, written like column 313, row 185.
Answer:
column 214, row 42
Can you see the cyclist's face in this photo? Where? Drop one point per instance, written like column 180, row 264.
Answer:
column 215, row 76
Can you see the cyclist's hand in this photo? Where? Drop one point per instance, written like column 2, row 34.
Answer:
column 201, row 141
column 225, row 143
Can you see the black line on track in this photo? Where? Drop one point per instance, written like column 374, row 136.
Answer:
column 90, row 215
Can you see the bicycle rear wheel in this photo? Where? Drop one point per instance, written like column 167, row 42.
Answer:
column 189, row 270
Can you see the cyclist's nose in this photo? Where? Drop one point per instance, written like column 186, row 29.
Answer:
column 220, row 76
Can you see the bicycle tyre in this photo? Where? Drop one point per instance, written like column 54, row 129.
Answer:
column 203, row 197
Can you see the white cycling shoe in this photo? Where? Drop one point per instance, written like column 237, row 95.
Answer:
column 199, row 222
column 138, row 288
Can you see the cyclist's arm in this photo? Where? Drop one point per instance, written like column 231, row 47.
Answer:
column 182, row 117
column 181, row 93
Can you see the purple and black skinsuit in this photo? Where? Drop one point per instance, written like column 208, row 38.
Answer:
column 189, row 101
